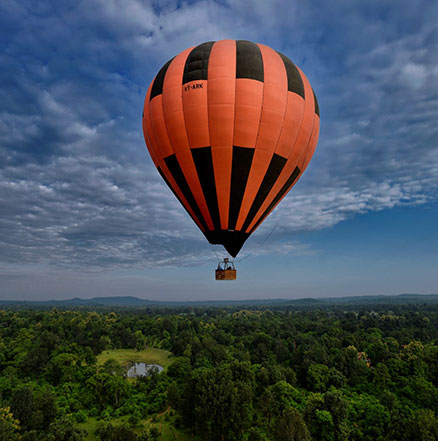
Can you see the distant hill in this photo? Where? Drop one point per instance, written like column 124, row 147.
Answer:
column 130, row 301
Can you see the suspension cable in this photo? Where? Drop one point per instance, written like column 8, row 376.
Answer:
column 281, row 213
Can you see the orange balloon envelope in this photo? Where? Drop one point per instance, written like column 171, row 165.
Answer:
column 231, row 126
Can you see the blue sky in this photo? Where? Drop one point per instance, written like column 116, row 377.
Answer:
column 83, row 211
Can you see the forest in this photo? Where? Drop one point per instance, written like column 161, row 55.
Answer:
column 337, row 373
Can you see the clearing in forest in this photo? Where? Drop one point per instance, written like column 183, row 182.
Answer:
column 148, row 356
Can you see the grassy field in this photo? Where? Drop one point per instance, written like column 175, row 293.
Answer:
column 169, row 433
column 125, row 356
column 91, row 425
column 163, row 424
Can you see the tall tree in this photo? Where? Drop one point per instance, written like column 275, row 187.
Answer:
column 218, row 401
column 22, row 405
column 290, row 426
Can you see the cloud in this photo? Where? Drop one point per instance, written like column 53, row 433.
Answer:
column 77, row 188
column 89, row 211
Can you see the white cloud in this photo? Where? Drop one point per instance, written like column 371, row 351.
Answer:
column 76, row 184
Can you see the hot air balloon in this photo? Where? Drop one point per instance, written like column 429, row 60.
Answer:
column 230, row 125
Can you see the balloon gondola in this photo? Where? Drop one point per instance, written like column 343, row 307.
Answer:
column 226, row 270
column 231, row 126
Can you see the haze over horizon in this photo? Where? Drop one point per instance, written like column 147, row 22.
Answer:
column 123, row 301
column 84, row 212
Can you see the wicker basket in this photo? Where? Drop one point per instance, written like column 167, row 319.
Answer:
column 228, row 274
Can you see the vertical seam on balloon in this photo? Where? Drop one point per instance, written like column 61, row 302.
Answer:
column 152, row 133
column 190, row 151
column 146, row 135
column 245, row 224
column 182, row 104
column 316, row 103
column 285, row 109
column 313, row 120
column 201, row 222
column 257, row 137
column 300, row 165
column 287, row 96
column 302, row 115
column 154, row 143
column 306, row 152
column 303, row 80
column 162, row 107
column 208, row 98
column 263, row 98
column 274, row 150
column 209, row 143
column 313, row 127
column 234, row 133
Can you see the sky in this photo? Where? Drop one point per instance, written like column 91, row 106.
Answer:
column 84, row 213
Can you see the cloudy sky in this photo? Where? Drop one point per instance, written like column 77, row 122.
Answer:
column 84, row 213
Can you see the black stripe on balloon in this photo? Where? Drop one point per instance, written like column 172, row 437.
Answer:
column 284, row 189
column 173, row 191
column 249, row 61
column 180, row 179
column 157, row 87
column 294, row 80
column 196, row 67
column 241, row 165
column 316, row 103
column 275, row 167
column 204, row 166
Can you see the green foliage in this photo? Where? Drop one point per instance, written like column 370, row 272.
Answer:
column 9, row 426
column 368, row 373
column 423, row 425
column 217, row 401
column 22, row 405
column 179, row 368
column 108, row 432
column 318, row 377
column 370, row 415
column 113, row 367
column 81, row 416
column 63, row 429
column 290, row 426
column 46, row 406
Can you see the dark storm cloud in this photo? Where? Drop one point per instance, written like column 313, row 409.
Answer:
column 76, row 185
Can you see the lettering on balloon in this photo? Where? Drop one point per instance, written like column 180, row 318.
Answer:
column 193, row 86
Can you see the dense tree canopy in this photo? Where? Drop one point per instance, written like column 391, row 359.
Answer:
column 363, row 373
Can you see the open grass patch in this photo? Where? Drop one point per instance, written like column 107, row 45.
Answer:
column 148, row 356
column 90, row 426
column 92, row 423
column 165, row 426
column 169, row 433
